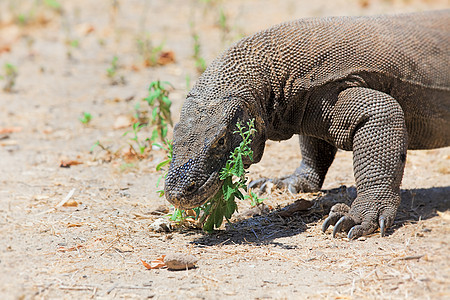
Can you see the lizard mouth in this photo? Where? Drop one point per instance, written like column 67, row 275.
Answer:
column 197, row 196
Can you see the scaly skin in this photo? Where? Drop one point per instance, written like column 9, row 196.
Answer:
column 376, row 86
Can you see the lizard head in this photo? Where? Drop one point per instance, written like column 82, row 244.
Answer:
column 203, row 142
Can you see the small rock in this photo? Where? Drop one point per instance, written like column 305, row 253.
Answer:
column 161, row 225
column 122, row 122
column 180, row 261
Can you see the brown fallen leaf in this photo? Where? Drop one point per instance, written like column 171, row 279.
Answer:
column 298, row 205
column 74, row 225
column 166, row 57
column 146, row 264
column 85, row 28
column 5, row 48
column 155, row 264
column 68, row 163
column 180, row 261
column 10, row 129
column 64, row 249
column 71, row 203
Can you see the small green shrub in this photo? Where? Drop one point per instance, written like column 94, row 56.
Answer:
column 141, row 145
column 86, row 118
column 10, row 75
column 159, row 102
column 223, row 204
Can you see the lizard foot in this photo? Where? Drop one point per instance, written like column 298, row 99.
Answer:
column 293, row 183
column 359, row 220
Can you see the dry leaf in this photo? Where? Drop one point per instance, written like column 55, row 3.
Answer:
column 155, row 264
column 74, row 225
column 166, row 57
column 85, row 28
column 68, row 163
column 146, row 264
column 10, row 129
column 5, row 48
column 64, row 249
column 71, row 203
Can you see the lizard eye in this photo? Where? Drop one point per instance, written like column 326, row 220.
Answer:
column 221, row 141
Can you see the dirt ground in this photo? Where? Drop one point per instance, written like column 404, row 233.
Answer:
column 92, row 246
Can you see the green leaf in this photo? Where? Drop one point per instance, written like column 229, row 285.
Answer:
column 228, row 189
column 154, row 136
column 162, row 164
column 230, row 209
column 154, row 113
column 239, row 195
column 239, row 167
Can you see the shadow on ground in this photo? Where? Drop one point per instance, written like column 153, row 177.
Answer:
column 417, row 204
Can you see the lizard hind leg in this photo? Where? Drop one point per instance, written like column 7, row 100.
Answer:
column 317, row 156
column 370, row 123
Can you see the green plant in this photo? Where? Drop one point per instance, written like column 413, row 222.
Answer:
column 101, row 146
column 111, row 72
column 223, row 204
column 86, row 118
column 149, row 53
column 142, row 145
column 159, row 102
column 169, row 150
column 53, row 4
column 10, row 76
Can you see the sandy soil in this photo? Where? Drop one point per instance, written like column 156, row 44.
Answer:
column 91, row 247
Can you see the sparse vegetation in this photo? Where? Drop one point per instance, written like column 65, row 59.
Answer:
column 148, row 52
column 86, row 118
column 10, row 75
column 111, row 72
column 141, row 144
column 159, row 102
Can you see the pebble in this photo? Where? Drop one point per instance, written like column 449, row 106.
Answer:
column 180, row 261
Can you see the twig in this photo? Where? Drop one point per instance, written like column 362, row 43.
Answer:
column 77, row 288
column 411, row 257
column 61, row 203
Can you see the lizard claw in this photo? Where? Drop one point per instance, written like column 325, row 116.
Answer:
column 382, row 226
column 326, row 224
column 343, row 224
column 337, row 212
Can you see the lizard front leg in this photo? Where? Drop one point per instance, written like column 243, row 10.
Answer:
column 370, row 123
column 317, row 156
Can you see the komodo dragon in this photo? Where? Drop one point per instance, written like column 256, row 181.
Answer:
column 376, row 86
